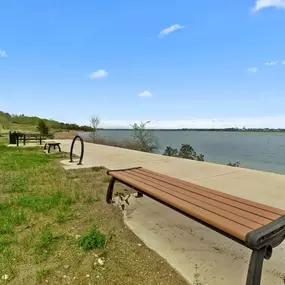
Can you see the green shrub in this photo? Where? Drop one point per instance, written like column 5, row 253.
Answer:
column 234, row 164
column 186, row 151
column 92, row 239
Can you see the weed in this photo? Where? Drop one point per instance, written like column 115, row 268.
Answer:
column 17, row 218
column 41, row 274
column 92, row 239
column 46, row 238
column 44, row 243
column 197, row 276
column 62, row 217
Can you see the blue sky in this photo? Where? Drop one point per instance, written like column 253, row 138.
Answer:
column 176, row 63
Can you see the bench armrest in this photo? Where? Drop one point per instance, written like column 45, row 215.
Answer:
column 271, row 234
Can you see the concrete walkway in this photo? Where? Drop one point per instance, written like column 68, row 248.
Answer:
column 181, row 241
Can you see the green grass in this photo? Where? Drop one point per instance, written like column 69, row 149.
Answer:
column 40, row 203
column 44, row 210
column 14, row 158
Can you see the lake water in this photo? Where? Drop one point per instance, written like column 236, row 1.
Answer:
column 262, row 151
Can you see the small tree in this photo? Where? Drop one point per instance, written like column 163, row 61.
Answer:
column 94, row 123
column 144, row 137
column 42, row 128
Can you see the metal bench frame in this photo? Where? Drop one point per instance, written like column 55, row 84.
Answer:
column 260, row 241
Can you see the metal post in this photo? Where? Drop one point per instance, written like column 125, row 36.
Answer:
column 82, row 150
column 109, row 196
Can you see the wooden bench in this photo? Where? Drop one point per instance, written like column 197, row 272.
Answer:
column 256, row 226
column 52, row 144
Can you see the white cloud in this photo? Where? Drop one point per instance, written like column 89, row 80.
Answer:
column 145, row 93
column 283, row 62
column 232, row 122
column 261, row 4
column 170, row 29
column 98, row 74
column 252, row 69
column 3, row 53
column 271, row 63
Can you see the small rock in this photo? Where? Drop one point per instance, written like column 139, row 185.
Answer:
column 66, row 266
column 77, row 236
column 5, row 277
column 98, row 276
column 139, row 244
column 101, row 261
column 64, row 276
column 96, row 255
column 87, row 275
column 46, row 281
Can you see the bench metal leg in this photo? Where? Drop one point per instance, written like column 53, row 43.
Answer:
column 45, row 147
column 49, row 148
column 59, row 149
column 109, row 196
column 256, row 263
column 139, row 195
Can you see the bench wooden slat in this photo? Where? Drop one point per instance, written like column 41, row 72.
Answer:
column 224, row 224
column 247, row 205
column 192, row 201
column 193, row 196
